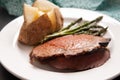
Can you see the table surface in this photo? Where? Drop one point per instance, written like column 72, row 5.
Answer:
column 4, row 19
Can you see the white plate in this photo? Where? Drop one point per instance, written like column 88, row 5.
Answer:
column 15, row 56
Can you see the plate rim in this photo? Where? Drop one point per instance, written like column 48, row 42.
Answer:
column 17, row 75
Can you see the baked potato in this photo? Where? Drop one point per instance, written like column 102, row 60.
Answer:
column 39, row 21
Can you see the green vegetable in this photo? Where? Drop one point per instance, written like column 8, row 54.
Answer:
column 71, row 24
column 89, row 27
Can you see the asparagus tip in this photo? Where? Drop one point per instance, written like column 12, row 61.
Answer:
column 99, row 18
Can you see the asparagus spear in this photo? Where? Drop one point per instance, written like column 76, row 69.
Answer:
column 70, row 25
column 78, row 29
column 97, row 32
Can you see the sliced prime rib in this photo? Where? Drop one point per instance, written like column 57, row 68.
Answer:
column 73, row 52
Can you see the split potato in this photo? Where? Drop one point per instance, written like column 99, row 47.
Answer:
column 40, row 19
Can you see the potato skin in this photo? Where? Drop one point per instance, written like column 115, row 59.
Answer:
column 59, row 19
column 34, row 32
